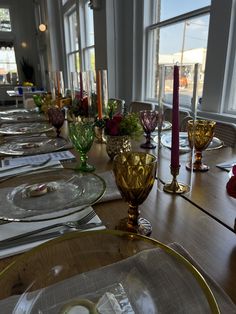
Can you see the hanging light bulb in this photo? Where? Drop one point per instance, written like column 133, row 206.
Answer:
column 42, row 27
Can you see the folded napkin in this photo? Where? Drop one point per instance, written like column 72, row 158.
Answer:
column 112, row 192
column 11, row 170
column 151, row 281
column 11, row 229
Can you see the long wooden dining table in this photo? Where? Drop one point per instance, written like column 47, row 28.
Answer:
column 201, row 222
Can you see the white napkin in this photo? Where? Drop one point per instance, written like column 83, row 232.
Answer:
column 10, row 170
column 16, row 228
column 112, row 192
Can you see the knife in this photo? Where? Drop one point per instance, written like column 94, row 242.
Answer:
column 8, row 243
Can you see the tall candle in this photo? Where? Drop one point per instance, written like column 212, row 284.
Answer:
column 99, row 95
column 175, row 121
column 58, row 83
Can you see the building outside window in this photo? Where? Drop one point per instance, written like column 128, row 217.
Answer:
column 178, row 35
column 79, row 36
column 8, row 67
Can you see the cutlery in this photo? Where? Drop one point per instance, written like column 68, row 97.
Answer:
column 40, row 237
column 69, row 224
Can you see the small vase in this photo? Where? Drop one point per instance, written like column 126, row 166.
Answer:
column 117, row 144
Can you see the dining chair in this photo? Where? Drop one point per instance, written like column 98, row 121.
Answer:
column 183, row 114
column 120, row 103
column 226, row 132
column 137, row 106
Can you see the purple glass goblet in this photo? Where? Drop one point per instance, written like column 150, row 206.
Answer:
column 56, row 117
column 149, row 121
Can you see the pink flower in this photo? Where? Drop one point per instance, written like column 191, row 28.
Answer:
column 231, row 185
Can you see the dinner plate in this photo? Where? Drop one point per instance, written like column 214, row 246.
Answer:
column 136, row 274
column 21, row 117
column 31, row 146
column 184, row 144
column 49, row 195
column 25, row 128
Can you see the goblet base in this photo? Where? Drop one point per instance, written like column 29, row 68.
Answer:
column 197, row 167
column 144, row 227
column 85, row 168
column 148, row 146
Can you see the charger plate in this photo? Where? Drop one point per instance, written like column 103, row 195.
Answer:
column 32, row 146
column 143, row 275
column 184, row 144
column 25, row 128
column 21, row 116
column 49, row 194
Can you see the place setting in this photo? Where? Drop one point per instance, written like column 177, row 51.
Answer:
column 21, row 115
column 25, row 128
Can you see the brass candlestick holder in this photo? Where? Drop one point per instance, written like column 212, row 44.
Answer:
column 99, row 134
column 175, row 187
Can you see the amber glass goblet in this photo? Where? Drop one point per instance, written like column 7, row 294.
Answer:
column 200, row 134
column 135, row 175
column 56, row 117
column 149, row 121
column 82, row 136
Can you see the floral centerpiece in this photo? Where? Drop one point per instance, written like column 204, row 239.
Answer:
column 119, row 129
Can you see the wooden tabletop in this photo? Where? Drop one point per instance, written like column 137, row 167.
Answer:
column 178, row 219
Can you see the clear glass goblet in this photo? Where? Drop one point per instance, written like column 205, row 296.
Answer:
column 200, row 134
column 82, row 136
column 149, row 121
column 135, row 175
column 56, row 117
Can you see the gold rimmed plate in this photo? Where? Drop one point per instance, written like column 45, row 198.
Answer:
column 49, row 195
column 31, row 146
column 25, row 128
column 141, row 273
column 184, row 143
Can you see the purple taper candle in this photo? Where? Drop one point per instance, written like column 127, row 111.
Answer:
column 175, row 121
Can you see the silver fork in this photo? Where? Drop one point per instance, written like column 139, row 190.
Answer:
column 69, row 224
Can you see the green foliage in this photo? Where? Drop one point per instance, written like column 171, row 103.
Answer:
column 130, row 125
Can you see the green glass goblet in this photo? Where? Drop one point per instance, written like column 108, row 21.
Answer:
column 135, row 175
column 82, row 136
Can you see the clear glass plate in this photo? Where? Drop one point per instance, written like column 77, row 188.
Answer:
column 49, row 195
column 32, row 146
column 25, row 128
column 143, row 275
column 184, row 144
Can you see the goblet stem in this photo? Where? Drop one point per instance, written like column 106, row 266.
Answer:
column 133, row 215
column 84, row 166
column 148, row 143
column 58, row 130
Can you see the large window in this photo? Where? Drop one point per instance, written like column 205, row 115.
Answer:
column 178, row 35
column 79, row 36
column 8, row 68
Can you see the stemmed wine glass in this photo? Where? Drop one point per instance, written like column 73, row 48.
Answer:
column 135, row 175
column 82, row 136
column 200, row 134
column 56, row 117
column 149, row 121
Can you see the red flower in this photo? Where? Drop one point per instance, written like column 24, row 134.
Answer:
column 234, row 170
column 231, row 185
column 113, row 125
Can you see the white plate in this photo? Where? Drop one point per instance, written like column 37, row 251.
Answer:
column 184, row 144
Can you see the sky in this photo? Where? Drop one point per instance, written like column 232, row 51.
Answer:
column 196, row 30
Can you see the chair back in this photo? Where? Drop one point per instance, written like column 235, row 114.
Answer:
column 226, row 132
column 182, row 115
column 137, row 106
column 120, row 105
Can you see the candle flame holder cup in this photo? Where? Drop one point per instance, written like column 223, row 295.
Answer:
column 174, row 186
